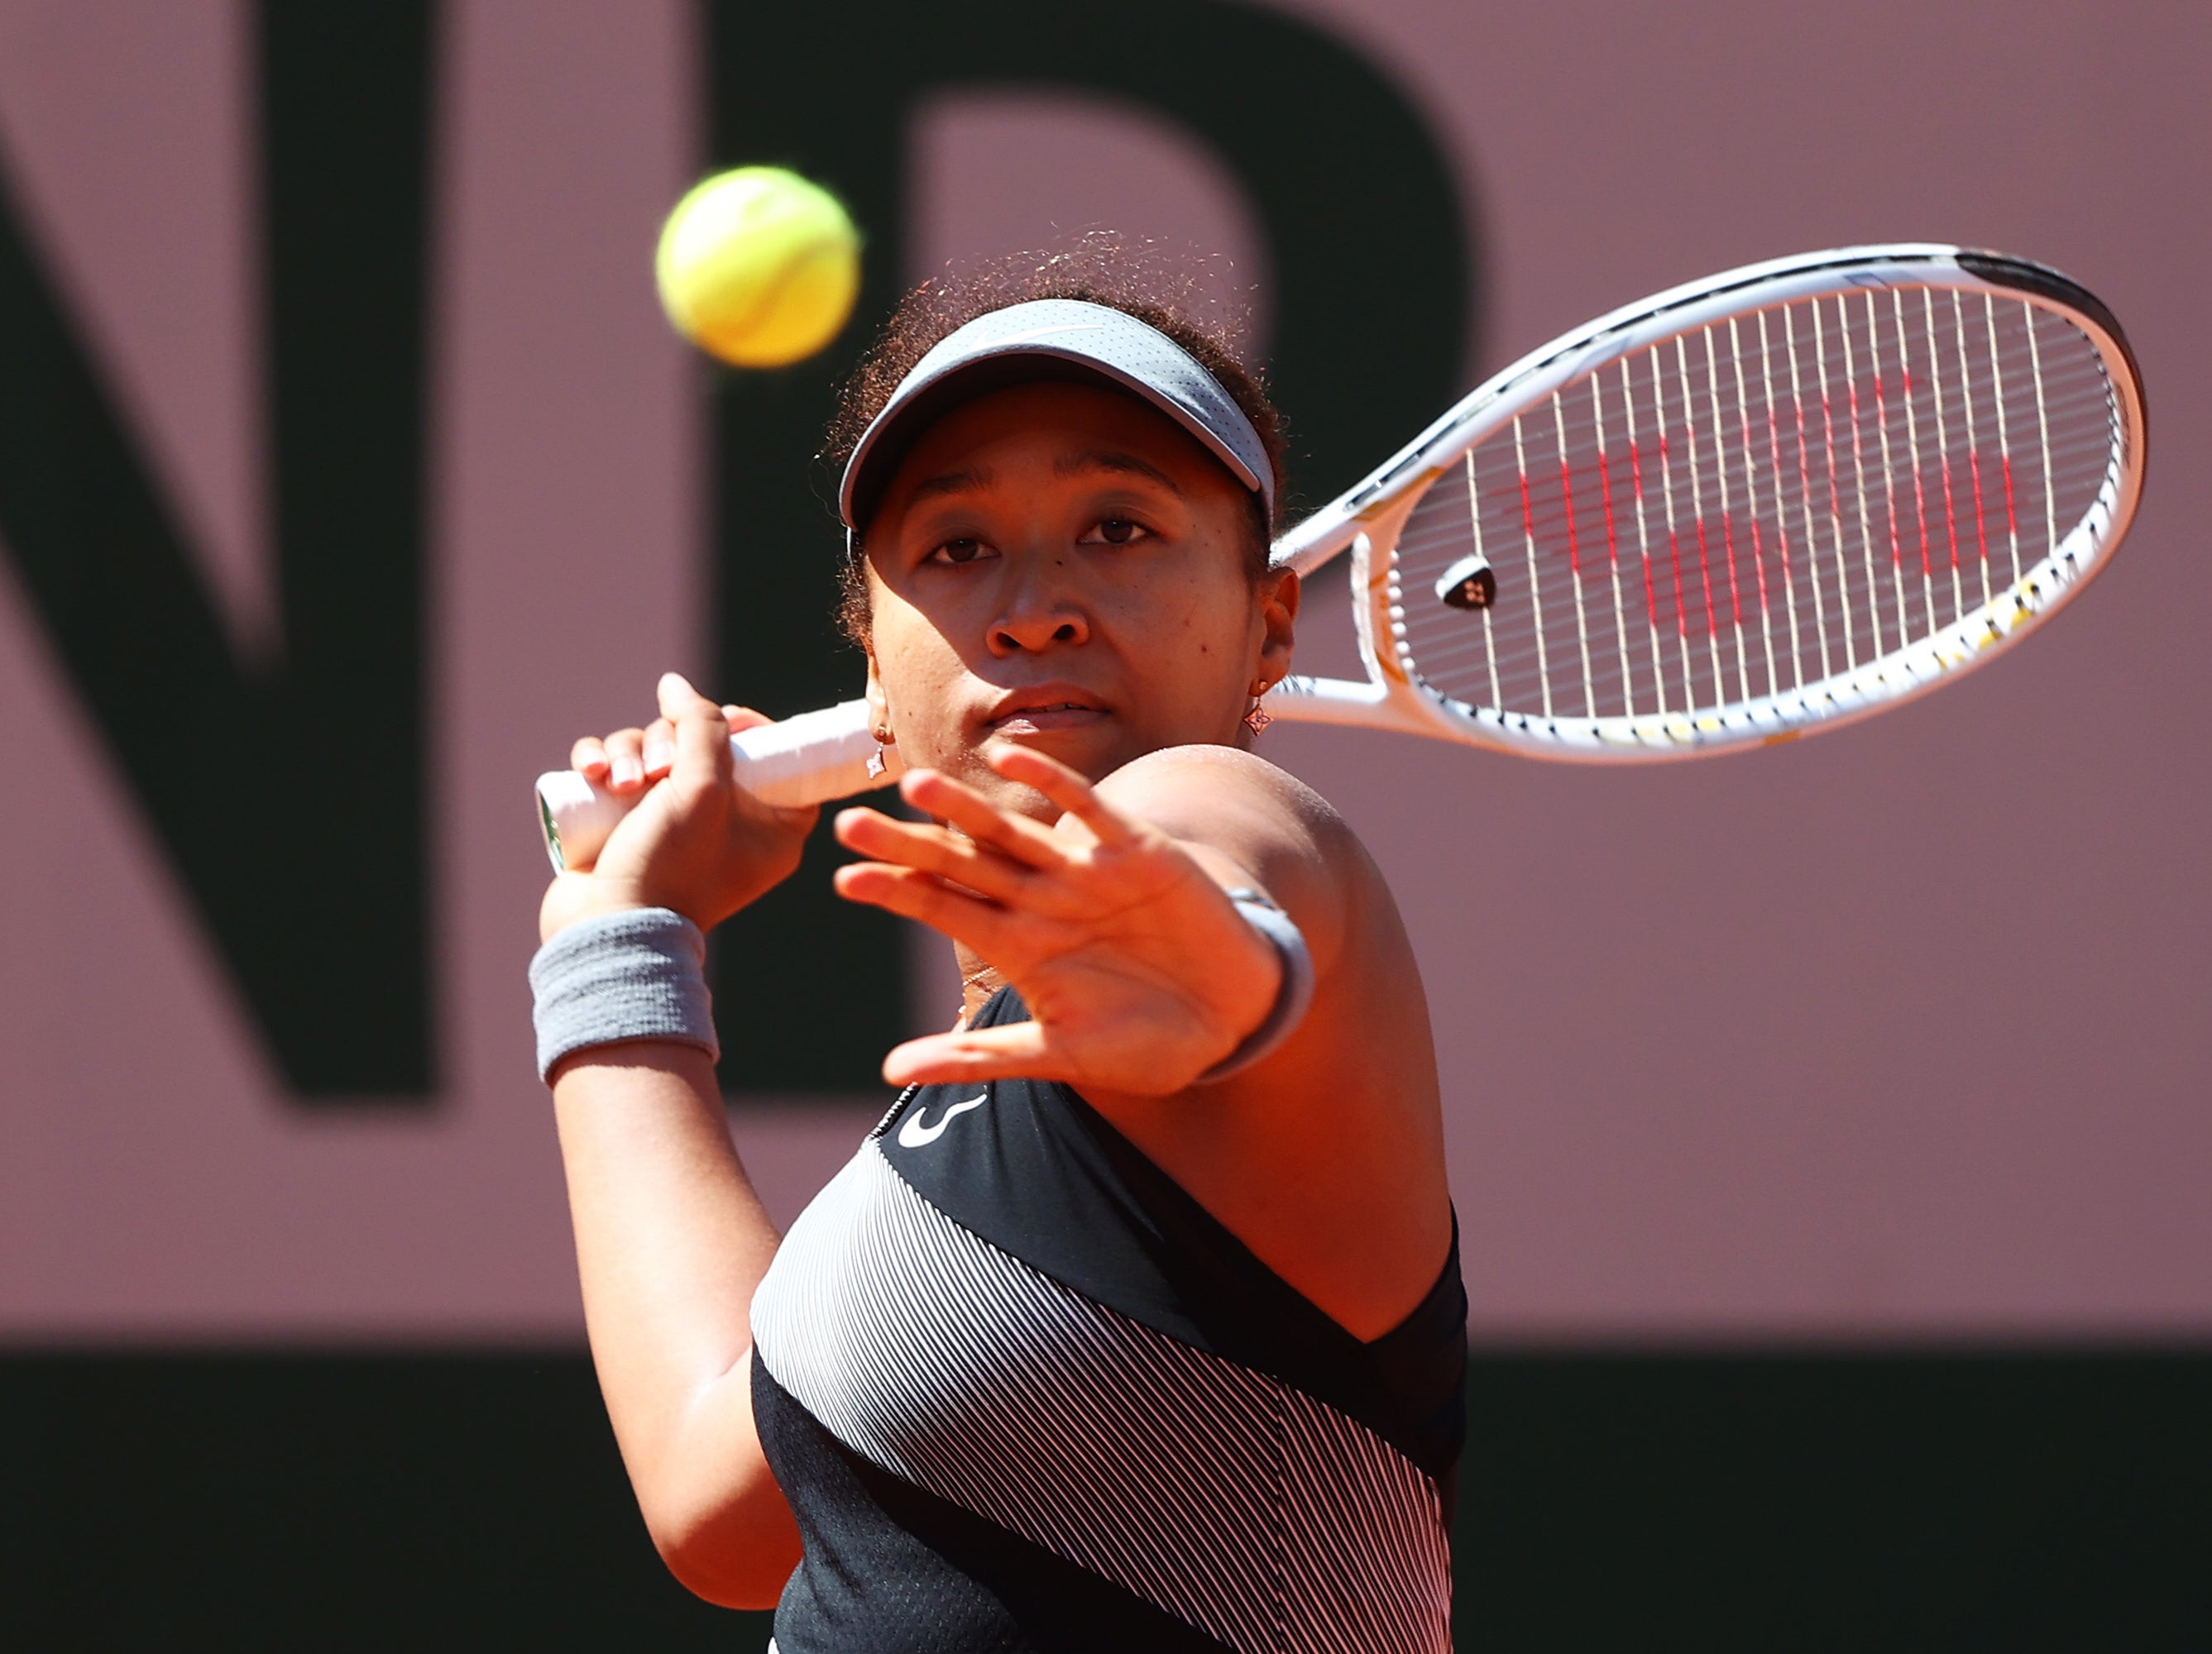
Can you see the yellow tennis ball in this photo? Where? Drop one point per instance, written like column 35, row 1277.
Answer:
column 758, row 267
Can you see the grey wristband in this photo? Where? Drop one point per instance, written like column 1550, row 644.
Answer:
column 637, row 975
column 1291, row 999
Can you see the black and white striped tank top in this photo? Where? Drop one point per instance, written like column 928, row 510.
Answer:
column 1024, row 1393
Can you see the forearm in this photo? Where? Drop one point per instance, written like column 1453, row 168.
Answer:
column 670, row 1238
column 671, row 1241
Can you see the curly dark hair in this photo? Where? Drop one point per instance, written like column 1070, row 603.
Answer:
column 1136, row 278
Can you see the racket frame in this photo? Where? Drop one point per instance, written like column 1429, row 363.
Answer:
column 1368, row 519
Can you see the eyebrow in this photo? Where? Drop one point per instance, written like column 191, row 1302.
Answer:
column 966, row 482
column 1112, row 459
column 977, row 478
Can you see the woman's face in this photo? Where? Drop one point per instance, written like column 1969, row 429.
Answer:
column 1063, row 567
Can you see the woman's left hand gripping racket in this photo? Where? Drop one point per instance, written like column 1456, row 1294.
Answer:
column 1760, row 505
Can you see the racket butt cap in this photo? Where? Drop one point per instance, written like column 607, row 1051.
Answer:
column 574, row 812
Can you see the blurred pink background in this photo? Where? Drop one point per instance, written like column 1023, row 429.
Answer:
column 1899, row 1034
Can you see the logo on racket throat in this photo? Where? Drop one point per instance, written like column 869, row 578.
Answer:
column 915, row 1134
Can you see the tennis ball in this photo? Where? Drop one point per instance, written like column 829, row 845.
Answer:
column 758, row 267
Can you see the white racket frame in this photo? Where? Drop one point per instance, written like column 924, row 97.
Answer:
column 826, row 754
column 1368, row 519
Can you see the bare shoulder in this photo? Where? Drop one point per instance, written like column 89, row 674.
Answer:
column 1285, row 836
column 1210, row 779
column 1326, row 1157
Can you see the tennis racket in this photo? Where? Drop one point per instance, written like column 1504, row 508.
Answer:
column 1760, row 505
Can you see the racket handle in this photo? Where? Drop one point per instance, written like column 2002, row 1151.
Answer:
column 807, row 759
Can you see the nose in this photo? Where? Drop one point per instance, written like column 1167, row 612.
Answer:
column 1040, row 609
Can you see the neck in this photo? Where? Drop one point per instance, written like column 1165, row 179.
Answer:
column 978, row 982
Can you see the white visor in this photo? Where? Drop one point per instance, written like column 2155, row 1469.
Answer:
column 1052, row 339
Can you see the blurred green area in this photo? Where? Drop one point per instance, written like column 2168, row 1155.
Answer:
column 1717, row 1502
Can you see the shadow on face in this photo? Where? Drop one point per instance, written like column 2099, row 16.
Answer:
column 1062, row 566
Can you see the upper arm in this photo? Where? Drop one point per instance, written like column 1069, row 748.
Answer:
column 1250, row 823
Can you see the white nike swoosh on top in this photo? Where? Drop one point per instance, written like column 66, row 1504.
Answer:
column 915, row 1134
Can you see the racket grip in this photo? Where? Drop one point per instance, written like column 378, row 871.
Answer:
column 805, row 759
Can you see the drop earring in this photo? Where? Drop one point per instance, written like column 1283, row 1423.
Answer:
column 876, row 765
column 1257, row 719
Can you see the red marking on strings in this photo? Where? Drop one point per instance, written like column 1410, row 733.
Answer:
column 1636, row 485
column 1674, row 546
column 1888, row 490
column 1835, row 496
column 1981, row 527
column 1719, row 481
column 1727, row 547
column 1705, row 577
column 1567, row 494
column 1858, row 476
column 1751, row 500
column 1950, row 515
column 1950, row 509
column 1805, row 495
column 1605, row 492
column 1919, row 493
column 1527, row 513
column 1781, row 511
column 1705, row 560
column 1944, row 450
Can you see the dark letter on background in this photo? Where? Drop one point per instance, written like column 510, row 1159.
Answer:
column 313, row 886
column 306, row 862
column 1370, row 258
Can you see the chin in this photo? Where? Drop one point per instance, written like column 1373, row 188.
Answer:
column 1093, row 751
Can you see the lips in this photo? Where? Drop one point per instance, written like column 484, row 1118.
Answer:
column 1046, row 706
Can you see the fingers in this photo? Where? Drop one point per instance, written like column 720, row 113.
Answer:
column 658, row 750
column 629, row 760
column 1018, row 1050
column 588, row 758
column 927, row 848
column 923, row 897
column 617, row 763
column 935, row 793
column 1063, row 786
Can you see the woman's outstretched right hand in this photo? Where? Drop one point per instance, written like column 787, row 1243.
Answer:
column 697, row 842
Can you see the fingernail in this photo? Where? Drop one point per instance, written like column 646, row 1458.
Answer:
column 628, row 770
column 658, row 755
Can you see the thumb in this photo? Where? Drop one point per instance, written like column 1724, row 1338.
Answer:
column 677, row 698
column 1019, row 1050
column 703, row 734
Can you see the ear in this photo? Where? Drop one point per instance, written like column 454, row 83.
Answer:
column 880, row 709
column 1279, row 591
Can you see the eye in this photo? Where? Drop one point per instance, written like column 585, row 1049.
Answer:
column 1116, row 532
column 963, row 550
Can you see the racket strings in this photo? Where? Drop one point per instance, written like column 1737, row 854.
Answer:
column 1752, row 507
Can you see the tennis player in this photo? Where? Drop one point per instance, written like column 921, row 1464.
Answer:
column 1137, row 1324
